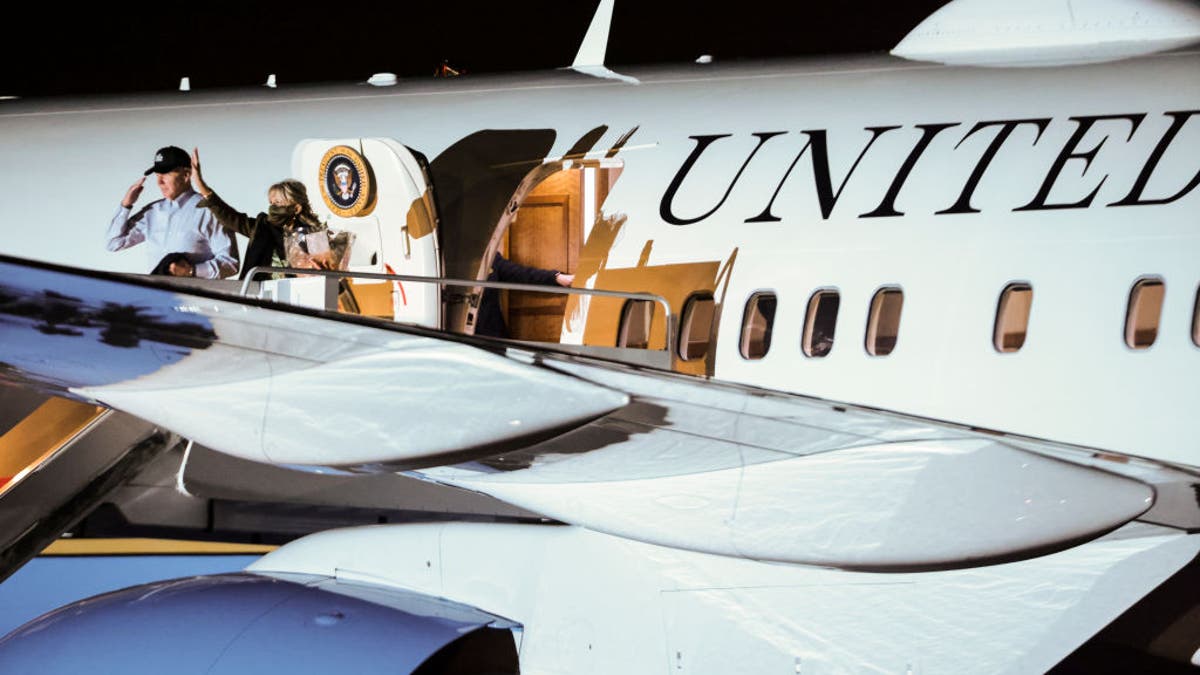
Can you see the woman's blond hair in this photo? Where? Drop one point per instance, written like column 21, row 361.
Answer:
column 295, row 193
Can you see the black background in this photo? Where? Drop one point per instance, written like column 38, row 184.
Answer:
column 117, row 48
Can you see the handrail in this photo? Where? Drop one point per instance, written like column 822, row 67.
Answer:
column 669, row 322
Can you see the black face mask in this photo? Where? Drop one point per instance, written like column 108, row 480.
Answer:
column 279, row 215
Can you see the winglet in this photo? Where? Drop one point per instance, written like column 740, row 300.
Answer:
column 590, row 58
column 595, row 43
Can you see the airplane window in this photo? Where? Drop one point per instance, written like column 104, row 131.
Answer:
column 883, row 324
column 1196, row 320
column 1012, row 317
column 820, row 322
column 1145, row 308
column 634, row 330
column 696, row 326
column 756, row 325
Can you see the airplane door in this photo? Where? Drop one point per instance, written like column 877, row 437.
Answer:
column 379, row 190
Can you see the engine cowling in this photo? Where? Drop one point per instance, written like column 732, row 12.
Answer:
column 244, row 622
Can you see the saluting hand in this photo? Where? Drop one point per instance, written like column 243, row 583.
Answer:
column 197, row 178
column 134, row 191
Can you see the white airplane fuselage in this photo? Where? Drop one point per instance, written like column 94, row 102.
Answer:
column 852, row 175
column 947, row 183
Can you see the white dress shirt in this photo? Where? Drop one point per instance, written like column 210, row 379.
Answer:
column 177, row 226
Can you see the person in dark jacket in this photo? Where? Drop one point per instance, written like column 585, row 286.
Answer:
column 289, row 209
column 489, row 321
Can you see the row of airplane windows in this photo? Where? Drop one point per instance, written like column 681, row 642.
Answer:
column 883, row 323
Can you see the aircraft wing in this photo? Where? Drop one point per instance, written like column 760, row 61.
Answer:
column 769, row 476
column 282, row 387
column 647, row 455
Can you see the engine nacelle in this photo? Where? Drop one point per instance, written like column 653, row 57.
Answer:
column 255, row 623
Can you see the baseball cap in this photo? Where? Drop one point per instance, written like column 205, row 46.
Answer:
column 168, row 159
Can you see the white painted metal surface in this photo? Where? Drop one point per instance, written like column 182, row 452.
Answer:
column 398, row 235
column 1048, row 33
column 315, row 292
column 295, row 384
column 951, row 266
column 902, row 505
column 590, row 603
column 750, row 475
column 595, row 42
column 291, row 389
column 589, row 60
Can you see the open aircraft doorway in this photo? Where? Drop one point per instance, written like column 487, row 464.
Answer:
column 551, row 215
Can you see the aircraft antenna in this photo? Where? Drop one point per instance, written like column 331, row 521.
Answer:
column 382, row 80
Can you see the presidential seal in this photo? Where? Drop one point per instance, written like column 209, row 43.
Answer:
column 346, row 182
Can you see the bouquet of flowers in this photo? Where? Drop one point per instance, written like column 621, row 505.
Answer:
column 318, row 248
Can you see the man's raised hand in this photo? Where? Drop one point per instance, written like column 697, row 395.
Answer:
column 132, row 194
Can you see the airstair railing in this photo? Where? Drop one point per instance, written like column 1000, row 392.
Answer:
column 668, row 323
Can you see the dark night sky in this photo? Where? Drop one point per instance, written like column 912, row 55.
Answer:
column 114, row 48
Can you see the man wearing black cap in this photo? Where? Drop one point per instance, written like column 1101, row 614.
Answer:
column 183, row 239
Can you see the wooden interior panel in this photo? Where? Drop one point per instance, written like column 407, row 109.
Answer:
column 547, row 233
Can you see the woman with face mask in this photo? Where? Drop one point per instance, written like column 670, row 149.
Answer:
column 286, row 224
